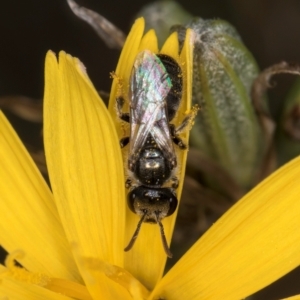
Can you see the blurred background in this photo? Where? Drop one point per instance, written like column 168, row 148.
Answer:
column 28, row 29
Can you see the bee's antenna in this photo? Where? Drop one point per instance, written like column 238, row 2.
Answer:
column 163, row 238
column 136, row 233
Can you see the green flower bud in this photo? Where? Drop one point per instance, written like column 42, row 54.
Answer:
column 161, row 16
column 226, row 128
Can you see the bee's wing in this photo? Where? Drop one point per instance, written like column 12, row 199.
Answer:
column 150, row 85
column 162, row 136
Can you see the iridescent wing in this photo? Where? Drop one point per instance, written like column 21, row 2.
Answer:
column 150, row 85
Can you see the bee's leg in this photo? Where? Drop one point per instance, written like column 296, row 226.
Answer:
column 119, row 99
column 175, row 182
column 176, row 139
column 186, row 124
column 120, row 103
column 128, row 183
column 188, row 121
column 124, row 141
column 124, row 117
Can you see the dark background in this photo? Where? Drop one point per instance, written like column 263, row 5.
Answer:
column 28, row 29
column 270, row 29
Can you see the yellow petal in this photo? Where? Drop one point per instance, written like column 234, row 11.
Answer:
column 58, row 285
column 104, row 288
column 68, row 288
column 19, row 290
column 149, row 42
column 99, row 279
column 29, row 219
column 253, row 244
column 84, row 161
column 171, row 46
column 297, row 297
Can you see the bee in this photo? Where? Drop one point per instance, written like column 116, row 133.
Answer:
column 156, row 83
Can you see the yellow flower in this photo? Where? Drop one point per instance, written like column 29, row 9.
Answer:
column 70, row 241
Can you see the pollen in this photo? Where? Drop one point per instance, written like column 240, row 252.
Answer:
column 120, row 84
column 21, row 274
column 60, row 286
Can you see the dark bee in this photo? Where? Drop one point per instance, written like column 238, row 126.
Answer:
column 155, row 95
